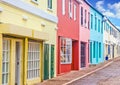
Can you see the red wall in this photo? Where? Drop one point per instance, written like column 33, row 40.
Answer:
column 68, row 28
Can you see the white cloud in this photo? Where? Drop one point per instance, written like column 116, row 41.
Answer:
column 112, row 11
column 99, row 6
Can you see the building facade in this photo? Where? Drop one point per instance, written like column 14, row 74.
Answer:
column 26, row 27
column 111, row 40
column 96, row 36
column 84, row 34
column 68, row 35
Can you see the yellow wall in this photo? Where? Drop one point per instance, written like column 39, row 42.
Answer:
column 42, row 4
column 14, row 16
column 1, row 59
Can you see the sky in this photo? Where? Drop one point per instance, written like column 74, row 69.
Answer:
column 110, row 8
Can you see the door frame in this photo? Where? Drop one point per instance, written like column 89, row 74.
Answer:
column 12, row 60
column 84, row 54
column 45, row 78
column 20, row 61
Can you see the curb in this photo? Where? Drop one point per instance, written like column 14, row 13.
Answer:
column 88, row 73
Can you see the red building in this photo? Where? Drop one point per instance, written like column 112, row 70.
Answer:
column 68, row 35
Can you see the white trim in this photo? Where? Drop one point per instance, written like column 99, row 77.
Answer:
column 31, row 9
column 1, row 9
column 63, row 7
column 75, row 11
column 36, row 2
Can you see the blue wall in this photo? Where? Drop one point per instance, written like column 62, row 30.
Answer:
column 96, row 37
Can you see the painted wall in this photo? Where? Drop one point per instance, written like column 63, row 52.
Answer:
column 68, row 28
column 84, row 32
column 97, row 37
column 14, row 15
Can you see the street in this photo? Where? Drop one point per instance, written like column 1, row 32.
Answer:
column 107, row 76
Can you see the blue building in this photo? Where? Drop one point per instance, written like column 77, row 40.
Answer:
column 96, row 36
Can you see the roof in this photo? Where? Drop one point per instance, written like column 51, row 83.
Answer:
column 93, row 7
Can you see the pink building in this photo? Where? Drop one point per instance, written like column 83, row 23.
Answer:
column 84, row 34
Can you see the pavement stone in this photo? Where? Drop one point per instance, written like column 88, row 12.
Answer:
column 59, row 80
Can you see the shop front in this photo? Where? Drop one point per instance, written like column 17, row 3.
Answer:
column 21, row 55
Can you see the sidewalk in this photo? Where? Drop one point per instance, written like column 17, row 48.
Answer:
column 74, row 75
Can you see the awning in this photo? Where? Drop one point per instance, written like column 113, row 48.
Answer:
column 11, row 29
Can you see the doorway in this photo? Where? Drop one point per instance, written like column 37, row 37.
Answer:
column 46, row 61
column 17, row 62
column 83, row 54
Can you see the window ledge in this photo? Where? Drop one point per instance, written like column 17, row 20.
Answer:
column 49, row 9
column 65, row 63
column 36, row 2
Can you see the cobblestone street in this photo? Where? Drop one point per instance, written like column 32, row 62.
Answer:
column 107, row 76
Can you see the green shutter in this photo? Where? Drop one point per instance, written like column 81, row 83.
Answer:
column 46, row 61
column 52, row 61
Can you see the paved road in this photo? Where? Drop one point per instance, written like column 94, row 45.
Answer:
column 107, row 76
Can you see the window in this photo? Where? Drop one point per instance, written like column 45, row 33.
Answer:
column 88, row 20
column 66, row 51
column 99, row 50
column 91, row 21
column 101, row 27
column 70, row 8
column 50, row 4
column 63, row 7
column 81, row 15
column 85, row 18
column 98, row 25
column 33, row 70
column 75, row 12
column 5, row 61
column 95, row 22
column 94, row 49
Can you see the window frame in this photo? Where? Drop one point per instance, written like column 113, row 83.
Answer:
column 33, row 60
column 63, row 7
column 4, row 61
column 66, row 54
column 82, row 16
column 75, row 12
column 49, row 5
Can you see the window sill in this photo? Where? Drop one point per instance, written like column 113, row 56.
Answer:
column 65, row 63
column 49, row 9
column 35, row 2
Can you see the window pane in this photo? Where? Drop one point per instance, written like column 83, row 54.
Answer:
column 33, row 59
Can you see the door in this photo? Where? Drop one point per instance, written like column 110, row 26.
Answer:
column 52, row 61
column 17, row 63
column 83, row 55
column 46, row 61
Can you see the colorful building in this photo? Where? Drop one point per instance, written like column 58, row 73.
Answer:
column 96, row 36
column 68, row 35
column 84, row 34
column 26, row 27
column 111, row 40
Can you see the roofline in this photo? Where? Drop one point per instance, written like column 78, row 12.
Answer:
column 93, row 7
column 112, row 24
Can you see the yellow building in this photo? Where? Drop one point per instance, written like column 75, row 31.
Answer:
column 27, row 41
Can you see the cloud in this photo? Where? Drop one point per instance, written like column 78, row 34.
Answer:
column 99, row 6
column 112, row 11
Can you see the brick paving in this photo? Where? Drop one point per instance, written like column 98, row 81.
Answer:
column 59, row 80
column 110, row 75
